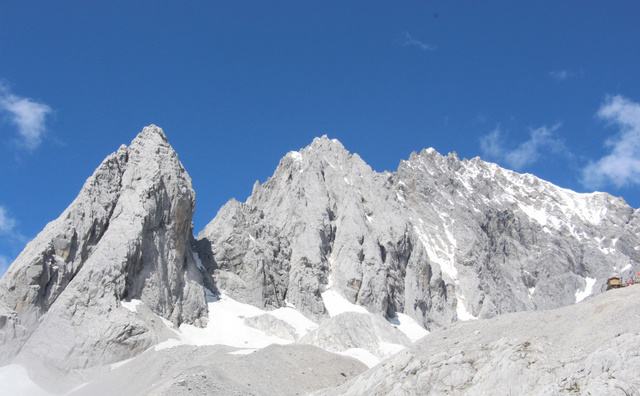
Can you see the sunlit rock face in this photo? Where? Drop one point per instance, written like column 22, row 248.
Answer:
column 441, row 239
column 126, row 236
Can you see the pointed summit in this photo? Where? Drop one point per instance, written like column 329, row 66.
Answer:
column 150, row 132
column 127, row 236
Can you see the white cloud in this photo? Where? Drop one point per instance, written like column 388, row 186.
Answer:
column 491, row 144
column 527, row 152
column 7, row 223
column 621, row 167
column 560, row 75
column 27, row 115
column 410, row 41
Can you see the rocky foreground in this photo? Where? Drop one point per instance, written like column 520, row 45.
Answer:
column 590, row 348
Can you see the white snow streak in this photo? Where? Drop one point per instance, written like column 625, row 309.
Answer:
column 336, row 304
column 131, row 305
column 588, row 289
column 461, row 309
column 362, row 355
column 409, row 327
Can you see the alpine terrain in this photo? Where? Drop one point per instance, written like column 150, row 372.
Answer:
column 446, row 276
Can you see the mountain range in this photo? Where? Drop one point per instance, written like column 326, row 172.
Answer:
column 446, row 276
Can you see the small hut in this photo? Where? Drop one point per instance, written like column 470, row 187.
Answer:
column 615, row 282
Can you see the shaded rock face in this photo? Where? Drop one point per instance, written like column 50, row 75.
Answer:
column 126, row 236
column 441, row 239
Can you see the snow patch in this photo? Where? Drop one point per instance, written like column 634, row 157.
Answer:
column 336, row 304
column 293, row 317
column 362, row 355
column 295, row 155
column 409, row 327
column 15, row 381
column 539, row 216
column 439, row 251
column 461, row 309
column 226, row 326
column 626, row 268
column 131, row 305
column 588, row 289
column 389, row 348
column 121, row 363
column 167, row 344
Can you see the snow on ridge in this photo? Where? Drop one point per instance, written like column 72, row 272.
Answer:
column 295, row 155
column 435, row 248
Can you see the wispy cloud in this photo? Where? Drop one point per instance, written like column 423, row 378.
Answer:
column 526, row 153
column 410, row 41
column 7, row 229
column 621, row 166
column 28, row 115
column 560, row 75
column 7, row 223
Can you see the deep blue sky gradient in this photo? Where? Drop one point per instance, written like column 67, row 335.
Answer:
column 236, row 85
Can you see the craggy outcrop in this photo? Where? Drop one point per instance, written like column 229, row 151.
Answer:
column 126, row 236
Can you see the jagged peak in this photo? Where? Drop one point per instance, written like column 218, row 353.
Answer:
column 150, row 136
column 151, row 131
column 324, row 143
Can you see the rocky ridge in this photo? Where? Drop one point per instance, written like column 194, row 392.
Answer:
column 126, row 236
column 369, row 257
column 441, row 239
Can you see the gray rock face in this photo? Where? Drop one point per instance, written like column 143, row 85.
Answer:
column 126, row 236
column 441, row 239
column 590, row 348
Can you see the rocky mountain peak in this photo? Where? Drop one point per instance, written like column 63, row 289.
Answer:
column 433, row 240
column 127, row 236
column 151, row 133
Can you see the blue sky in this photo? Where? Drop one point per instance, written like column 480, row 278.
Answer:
column 550, row 88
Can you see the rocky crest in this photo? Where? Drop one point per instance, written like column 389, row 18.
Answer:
column 126, row 236
column 441, row 239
